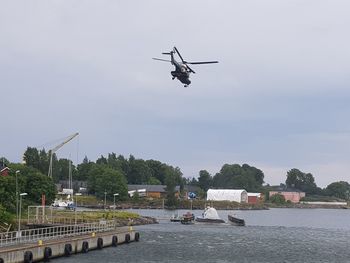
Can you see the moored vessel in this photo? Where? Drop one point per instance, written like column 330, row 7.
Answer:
column 236, row 221
column 210, row 215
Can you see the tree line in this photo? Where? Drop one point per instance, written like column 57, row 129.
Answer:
column 234, row 176
column 111, row 174
column 231, row 176
column 306, row 182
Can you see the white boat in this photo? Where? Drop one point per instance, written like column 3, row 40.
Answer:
column 59, row 203
column 210, row 215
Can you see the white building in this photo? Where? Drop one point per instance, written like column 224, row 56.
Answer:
column 239, row 196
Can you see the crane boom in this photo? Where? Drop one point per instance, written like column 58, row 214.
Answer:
column 55, row 149
column 69, row 138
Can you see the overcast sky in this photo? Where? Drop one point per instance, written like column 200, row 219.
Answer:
column 278, row 99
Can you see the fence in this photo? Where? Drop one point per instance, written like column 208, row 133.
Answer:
column 33, row 235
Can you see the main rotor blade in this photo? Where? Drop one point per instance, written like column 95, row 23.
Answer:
column 179, row 54
column 162, row 59
column 190, row 68
column 202, row 62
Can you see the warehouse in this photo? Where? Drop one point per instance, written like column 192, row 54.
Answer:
column 236, row 195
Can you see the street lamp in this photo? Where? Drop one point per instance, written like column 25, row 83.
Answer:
column 17, row 172
column 116, row 194
column 20, row 209
column 76, row 207
column 105, row 199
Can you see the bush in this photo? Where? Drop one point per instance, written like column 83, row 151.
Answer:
column 5, row 217
column 277, row 199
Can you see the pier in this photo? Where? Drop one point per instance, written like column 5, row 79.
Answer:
column 42, row 244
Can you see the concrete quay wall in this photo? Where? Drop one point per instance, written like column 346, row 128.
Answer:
column 48, row 249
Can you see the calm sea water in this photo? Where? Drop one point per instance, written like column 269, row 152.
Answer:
column 276, row 235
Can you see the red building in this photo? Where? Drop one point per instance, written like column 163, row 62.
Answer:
column 254, row 198
column 293, row 196
column 4, row 170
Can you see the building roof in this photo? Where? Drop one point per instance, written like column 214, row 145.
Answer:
column 254, row 194
column 284, row 189
column 3, row 167
column 150, row 188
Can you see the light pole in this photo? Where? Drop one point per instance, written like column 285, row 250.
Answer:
column 20, row 209
column 17, row 172
column 116, row 194
column 76, row 207
column 105, row 199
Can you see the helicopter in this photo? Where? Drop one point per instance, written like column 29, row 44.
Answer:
column 182, row 69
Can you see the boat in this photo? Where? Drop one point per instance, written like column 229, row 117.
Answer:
column 236, row 221
column 187, row 219
column 175, row 218
column 210, row 215
column 60, row 204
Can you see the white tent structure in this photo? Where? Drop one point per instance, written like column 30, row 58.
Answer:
column 239, row 196
column 210, row 213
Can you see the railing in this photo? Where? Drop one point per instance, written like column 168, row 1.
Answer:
column 60, row 220
column 33, row 235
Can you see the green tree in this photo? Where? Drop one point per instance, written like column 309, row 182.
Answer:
column 30, row 181
column 233, row 176
column 112, row 161
column 5, row 216
column 8, row 192
column 4, row 161
column 139, row 172
column 105, row 179
column 136, row 197
column 204, row 180
column 157, row 170
column 192, row 181
column 94, row 172
column 62, row 170
column 153, row 181
column 170, row 181
column 83, row 169
column 302, row 181
column 257, row 174
column 339, row 189
column 277, row 199
column 44, row 160
column 39, row 159
column 31, row 157
column 102, row 160
column 38, row 184
column 124, row 164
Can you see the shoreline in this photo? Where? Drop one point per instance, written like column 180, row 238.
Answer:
column 266, row 206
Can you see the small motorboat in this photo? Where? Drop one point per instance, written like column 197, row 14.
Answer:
column 187, row 218
column 210, row 215
column 236, row 221
column 175, row 218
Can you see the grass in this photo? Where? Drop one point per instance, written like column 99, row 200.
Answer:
column 96, row 215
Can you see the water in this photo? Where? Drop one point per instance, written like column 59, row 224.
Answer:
column 276, row 235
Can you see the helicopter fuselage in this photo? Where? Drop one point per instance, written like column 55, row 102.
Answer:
column 181, row 73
